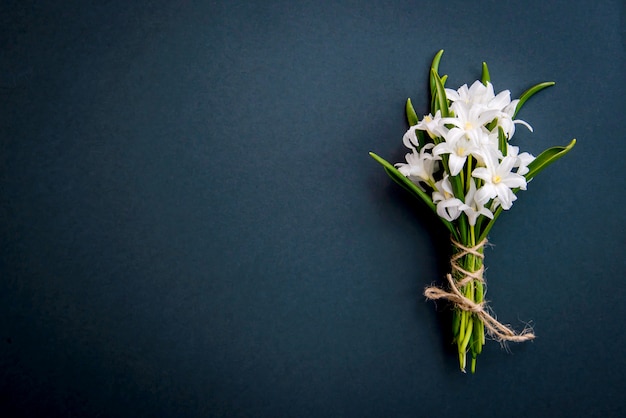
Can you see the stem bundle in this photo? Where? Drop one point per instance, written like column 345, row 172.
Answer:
column 467, row 293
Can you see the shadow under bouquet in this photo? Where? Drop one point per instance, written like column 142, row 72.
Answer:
column 462, row 166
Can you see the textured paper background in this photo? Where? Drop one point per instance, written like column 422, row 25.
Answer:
column 190, row 224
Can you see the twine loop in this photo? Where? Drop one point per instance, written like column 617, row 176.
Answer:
column 495, row 329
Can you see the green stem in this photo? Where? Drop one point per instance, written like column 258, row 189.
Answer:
column 469, row 174
column 468, row 328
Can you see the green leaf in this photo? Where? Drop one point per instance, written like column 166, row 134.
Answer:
column 436, row 60
column 435, row 66
column 421, row 138
column 531, row 92
column 485, row 77
column 410, row 113
column 502, row 142
column 440, row 91
column 411, row 187
column 546, row 158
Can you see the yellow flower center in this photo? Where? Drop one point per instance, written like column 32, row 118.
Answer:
column 496, row 179
column 468, row 126
column 460, row 151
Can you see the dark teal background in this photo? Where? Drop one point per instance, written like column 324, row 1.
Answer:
column 190, row 223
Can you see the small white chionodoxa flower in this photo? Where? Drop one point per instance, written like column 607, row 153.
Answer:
column 458, row 150
column 410, row 138
column 523, row 159
column 471, row 208
column 478, row 93
column 448, row 206
column 506, row 122
column 469, row 121
column 420, row 166
column 433, row 125
column 499, row 180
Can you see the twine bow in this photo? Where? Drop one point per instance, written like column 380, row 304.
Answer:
column 495, row 329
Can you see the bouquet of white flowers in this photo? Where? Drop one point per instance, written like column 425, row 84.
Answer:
column 462, row 165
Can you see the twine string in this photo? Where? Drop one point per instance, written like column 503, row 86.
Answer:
column 495, row 329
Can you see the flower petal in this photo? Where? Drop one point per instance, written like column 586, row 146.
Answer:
column 521, row 122
column 456, row 163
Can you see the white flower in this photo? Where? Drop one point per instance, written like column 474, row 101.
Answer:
column 458, row 151
column 499, row 180
column 433, row 125
column 506, row 122
column 478, row 93
column 469, row 121
column 500, row 101
column 523, row 159
column 420, row 166
column 448, row 206
column 471, row 208
column 410, row 138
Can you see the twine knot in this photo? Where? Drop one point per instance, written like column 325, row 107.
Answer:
column 495, row 329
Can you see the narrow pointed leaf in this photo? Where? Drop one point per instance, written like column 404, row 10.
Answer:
column 409, row 186
column 440, row 91
column 436, row 60
column 410, row 113
column 531, row 92
column 502, row 142
column 435, row 66
column 485, row 77
column 421, row 138
column 546, row 158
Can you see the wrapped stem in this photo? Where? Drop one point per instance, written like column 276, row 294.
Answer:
column 467, row 271
column 471, row 317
